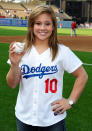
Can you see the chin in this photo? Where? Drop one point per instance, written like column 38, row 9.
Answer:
column 43, row 38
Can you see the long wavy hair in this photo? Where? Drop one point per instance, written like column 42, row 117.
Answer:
column 30, row 37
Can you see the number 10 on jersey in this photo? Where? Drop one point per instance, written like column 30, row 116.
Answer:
column 51, row 86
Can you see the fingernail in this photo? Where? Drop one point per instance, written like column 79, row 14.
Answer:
column 56, row 113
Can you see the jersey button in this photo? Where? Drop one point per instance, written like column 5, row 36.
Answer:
column 34, row 114
column 35, row 103
column 35, row 91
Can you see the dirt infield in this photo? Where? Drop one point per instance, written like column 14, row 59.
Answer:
column 82, row 43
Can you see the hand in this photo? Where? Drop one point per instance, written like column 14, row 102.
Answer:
column 14, row 57
column 60, row 106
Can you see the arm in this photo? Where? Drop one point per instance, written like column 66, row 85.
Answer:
column 81, row 79
column 14, row 75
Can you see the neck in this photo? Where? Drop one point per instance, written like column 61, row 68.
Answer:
column 41, row 43
column 41, row 46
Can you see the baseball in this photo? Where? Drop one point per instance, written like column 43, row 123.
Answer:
column 19, row 47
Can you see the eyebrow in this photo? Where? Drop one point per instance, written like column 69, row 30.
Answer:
column 44, row 21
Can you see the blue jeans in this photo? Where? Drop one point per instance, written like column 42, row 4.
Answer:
column 60, row 126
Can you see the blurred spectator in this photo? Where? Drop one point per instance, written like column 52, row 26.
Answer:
column 26, row 17
column 61, row 25
column 81, row 25
column 90, row 25
column 86, row 24
column 60, row 11
column 73, row 28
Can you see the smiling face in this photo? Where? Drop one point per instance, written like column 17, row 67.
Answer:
column 43, row 27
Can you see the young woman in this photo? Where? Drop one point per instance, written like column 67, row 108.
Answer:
column 39, row 69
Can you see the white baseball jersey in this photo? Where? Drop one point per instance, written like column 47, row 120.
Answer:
column 42, row 83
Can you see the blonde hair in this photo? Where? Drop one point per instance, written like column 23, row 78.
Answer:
column 30, row 35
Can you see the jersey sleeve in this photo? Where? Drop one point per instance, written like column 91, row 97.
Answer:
column 9, row 62
column 70, row 61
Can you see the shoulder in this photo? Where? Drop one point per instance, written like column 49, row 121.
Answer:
column 62, row 47
column 64, row 51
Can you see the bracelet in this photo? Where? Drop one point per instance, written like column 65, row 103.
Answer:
column 71, row 103
column 17, row 73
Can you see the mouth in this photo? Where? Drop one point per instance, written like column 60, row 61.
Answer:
column 43, row 33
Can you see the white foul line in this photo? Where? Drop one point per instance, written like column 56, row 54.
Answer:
column 87, row 64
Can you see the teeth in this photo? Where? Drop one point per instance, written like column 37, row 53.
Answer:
column 42, row 33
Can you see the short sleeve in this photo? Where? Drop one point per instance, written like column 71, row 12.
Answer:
column 9, row 62
column 70, row 61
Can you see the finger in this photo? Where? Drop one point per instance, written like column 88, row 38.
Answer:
column 11, row 50
column 58, row 112
column 55, row 102
column 56, row 107
column 22, row 53
column 12, row 44
column 61, row 112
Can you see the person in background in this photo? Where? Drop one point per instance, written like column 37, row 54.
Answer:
column 73, row 28
column 61, row 24
column 39, row 70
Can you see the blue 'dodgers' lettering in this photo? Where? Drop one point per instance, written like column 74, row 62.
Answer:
column 39, row 71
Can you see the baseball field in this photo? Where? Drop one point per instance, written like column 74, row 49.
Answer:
column 79, row 118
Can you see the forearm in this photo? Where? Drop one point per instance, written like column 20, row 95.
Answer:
column 65, row 104
column 13, row 77
column 78, row 87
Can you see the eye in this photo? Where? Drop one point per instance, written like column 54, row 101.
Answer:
column 37, row 23
column 48, row 24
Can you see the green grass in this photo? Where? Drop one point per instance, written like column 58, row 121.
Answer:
column 13, row 28
column 67, row 31
column 79, row 118
column 10, row 30
column 7, row 95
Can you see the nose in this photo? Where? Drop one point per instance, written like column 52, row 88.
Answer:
column 42, row 27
